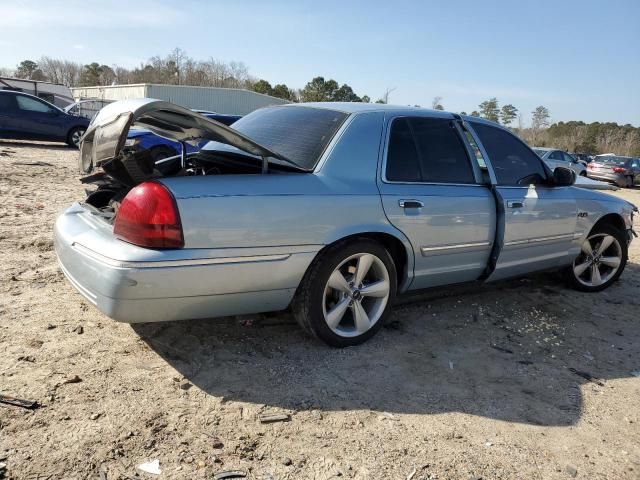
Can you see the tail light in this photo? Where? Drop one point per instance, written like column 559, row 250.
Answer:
column 148, row 217
column 590, row 166
column 619, row 170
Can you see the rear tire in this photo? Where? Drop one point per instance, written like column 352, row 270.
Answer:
column 75, row 136
column 601, row 262
column 347, row 293
column 628, row 182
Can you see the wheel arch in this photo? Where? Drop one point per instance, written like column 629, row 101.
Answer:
column 72, row 128
column 613, row 219
column 396, row 244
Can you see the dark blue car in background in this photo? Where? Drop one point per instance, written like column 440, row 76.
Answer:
column 26, row 117
column 160, row 148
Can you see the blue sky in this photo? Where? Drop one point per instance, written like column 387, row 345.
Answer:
column 581, row 59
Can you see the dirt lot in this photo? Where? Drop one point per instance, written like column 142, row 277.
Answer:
column 472, row 383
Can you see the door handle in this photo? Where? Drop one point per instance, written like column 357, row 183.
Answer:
column 516, row 204
column 410, row 204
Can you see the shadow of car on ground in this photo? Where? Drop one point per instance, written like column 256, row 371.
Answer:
column 518, row 351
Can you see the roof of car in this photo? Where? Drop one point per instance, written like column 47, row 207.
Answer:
column 359, row 107
column 545, row 149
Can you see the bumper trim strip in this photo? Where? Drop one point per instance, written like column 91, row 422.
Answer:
column 178, row 263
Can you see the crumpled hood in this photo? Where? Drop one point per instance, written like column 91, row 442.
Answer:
column 107, row 133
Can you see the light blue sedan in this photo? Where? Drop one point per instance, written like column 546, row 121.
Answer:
column 330, row 209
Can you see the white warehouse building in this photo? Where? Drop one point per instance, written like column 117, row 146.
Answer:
column 232, row 101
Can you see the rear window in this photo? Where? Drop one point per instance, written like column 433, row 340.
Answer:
column 300, row 134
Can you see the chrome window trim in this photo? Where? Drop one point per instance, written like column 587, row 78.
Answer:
column 487, row 159
column 385, row 153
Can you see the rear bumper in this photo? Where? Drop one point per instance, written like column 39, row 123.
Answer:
column 174, row 284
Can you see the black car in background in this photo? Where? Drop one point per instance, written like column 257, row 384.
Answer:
column 27, row 117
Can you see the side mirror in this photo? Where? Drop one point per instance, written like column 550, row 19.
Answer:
column 563, row 177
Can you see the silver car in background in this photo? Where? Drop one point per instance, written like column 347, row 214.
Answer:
column 623, row 171
column 330, row 209
column 558, row 158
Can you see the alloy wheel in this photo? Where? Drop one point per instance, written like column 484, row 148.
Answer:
column 76, row 136
column 356, row 295
column 599, row 260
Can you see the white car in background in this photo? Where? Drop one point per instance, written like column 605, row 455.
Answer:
column 557, row 158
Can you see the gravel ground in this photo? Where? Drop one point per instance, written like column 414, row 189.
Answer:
column 474, row 382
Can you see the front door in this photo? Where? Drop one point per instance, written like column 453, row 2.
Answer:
column 7, row 113
column 537, row 230
column 431, row 192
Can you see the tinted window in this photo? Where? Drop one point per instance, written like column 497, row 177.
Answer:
column 443, row 156
column 6, row 103
column 427, row 150
column 31, row 104
column 298, row 133
column 402, row 155
column 513, row 162
column 555, row 155
column 568, row 158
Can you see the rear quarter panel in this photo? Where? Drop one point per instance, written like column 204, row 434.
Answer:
column 339, row 199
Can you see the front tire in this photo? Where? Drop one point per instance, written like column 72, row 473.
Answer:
column 347, row 293
column 601, row 262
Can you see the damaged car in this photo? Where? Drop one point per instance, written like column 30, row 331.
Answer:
column 329, row 209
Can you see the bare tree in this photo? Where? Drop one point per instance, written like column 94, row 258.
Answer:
column 436, row 104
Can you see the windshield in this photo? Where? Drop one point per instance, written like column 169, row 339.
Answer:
column 300, row 134
column 539, row 152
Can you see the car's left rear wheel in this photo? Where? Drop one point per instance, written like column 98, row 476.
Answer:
column 347, row 293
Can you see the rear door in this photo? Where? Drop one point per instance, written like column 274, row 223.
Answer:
column 538, row 225
column 38, row 119
column 431, row 191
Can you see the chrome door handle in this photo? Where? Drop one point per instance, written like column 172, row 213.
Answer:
column 410, row 204
column 515, row 204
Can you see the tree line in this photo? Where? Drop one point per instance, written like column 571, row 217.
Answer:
column 177, row 68
column 574, row 136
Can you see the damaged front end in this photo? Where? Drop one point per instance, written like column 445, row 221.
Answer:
column 115, row 169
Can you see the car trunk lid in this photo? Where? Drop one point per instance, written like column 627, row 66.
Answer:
column 105, row 138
